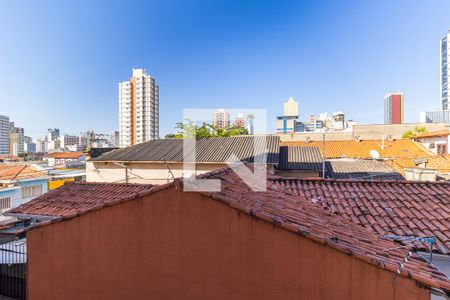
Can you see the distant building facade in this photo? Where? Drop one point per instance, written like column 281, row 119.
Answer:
column 393, row 108
column 70, row 140
column 439, row 116
column 445, row 70
column 114, row 137
column 16, row 140
column 4, row 134
column 138, row 109
column 240, row 120
column 221, row 118
column 287, row 123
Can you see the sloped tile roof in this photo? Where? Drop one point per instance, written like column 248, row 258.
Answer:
column 67, row 155
column 213, row 150
column 282, row 206
column 440, row 163
column 386, row 207
column 298, row 214
column 17, row 172
column 404, row 148
column 439, row 133
column 77, row 197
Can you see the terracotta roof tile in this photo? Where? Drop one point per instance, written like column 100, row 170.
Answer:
column 388, row 205
column 287, row 209
column 296, row 206
column 405, row 148
column 434, row 134
column 15, row 172
column 73, row 155
column 77, row 197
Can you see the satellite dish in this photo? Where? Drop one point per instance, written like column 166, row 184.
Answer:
column 374, row 154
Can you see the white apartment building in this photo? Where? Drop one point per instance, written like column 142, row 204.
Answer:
column 445, row 70
column 4, row 134
column 138, row 109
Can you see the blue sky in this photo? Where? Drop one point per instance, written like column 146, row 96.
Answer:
column 60, row 62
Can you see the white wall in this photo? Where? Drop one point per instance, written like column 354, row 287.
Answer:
column 149, row 172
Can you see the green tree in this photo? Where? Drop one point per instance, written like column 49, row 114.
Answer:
column 409, row 134
column 205, row 130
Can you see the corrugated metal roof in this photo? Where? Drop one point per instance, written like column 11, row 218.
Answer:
column 300, row 158
column 360, row 168
column 207, row 150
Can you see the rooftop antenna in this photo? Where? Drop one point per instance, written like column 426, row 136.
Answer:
column 374, row 154
column 431, row 240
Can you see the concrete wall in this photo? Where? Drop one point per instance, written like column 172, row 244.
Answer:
column 365, row 132
column 176, row 245
column 147, row 172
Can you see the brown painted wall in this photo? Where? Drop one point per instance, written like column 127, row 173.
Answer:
column 175, row 245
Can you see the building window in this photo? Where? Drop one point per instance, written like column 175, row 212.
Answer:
column 5, row 202
column 441, row 149
column 31, row 191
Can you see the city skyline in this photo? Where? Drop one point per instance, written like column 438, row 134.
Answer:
column 274, row 47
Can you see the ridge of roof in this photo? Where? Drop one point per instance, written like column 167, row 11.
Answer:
column 350, row 180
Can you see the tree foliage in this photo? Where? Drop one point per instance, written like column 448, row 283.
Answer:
column 205, row 130
column 409, row 134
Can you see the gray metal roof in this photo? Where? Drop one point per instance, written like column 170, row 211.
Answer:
column 300, row 158
column 207, row 150
column 361, row 168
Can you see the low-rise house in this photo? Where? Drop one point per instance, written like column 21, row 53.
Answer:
column 438, row 142
column 20, row 184
column 160, row 161
column 65, row 159
column 162, row 242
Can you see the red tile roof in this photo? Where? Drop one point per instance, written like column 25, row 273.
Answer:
column 281, row 207
column 404, row 148
column 15, row 172
column 286, row 209
column 73, row 198
column 439, row 133
column 404, row 208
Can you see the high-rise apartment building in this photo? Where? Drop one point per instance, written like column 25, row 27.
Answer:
column 393, row 108
column 4, row 134
column 138, row 109
column 16, row 140
column 445, row 70
column 221, row 118
column 52, row 134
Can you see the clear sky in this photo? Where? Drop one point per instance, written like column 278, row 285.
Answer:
column 60, row 63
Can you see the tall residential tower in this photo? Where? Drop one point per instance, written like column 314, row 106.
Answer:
column 138, row 109
column 4, row 134
column 393, row 108
column 445, row 70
